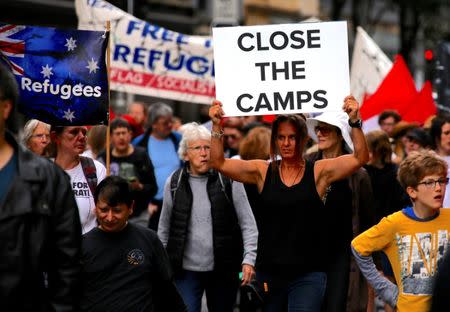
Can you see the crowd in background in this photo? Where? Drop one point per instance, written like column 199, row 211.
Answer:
column 161, row 160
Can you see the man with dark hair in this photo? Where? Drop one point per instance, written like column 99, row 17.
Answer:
column 440, row 134
column 39, row 224
column 161, row 144
column 440, row 139
column 232, row 135
column 125, row 267
column 131, row 163
column 387, row 121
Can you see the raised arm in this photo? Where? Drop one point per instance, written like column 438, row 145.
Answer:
column 329, row 170
column 245, row 171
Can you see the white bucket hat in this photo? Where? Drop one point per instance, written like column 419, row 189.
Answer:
column 337, row 119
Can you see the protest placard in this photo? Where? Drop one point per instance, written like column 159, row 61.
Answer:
column 151, row 60
column 278, row 69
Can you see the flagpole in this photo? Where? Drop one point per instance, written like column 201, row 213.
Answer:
column 108, row 55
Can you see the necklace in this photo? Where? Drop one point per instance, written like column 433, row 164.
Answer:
column 285, row 181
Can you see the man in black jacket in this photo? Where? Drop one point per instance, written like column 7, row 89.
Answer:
column 39, row 224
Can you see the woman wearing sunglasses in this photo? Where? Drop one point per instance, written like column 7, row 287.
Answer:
column 348, row 212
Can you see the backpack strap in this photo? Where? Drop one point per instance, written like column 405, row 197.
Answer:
column 225, row 182
column 175, row 182
column 175, row 140
column 176, row 143
column 90, row 172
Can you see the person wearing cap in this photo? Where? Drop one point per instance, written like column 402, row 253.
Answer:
column 292, row 243
column 349, row 212
column 417, row 139
column 399, row 140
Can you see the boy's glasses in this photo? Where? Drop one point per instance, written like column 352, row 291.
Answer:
column 431, row 184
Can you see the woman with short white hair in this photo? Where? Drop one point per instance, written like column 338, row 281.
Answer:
column 36, row 136
column 207, row 227
column 192, row 132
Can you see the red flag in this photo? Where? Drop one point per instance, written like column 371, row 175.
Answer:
column 423, row 107
column 268, row 119
column 396, row 92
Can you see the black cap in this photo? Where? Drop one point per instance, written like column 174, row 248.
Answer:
column 419, row 136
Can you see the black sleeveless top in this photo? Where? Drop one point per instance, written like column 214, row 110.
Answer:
column 292, row 236
column 339, row 209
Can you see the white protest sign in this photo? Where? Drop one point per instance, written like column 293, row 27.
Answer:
column 279, row 69
column 149, row 59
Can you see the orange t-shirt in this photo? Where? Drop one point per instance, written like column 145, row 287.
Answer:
column 414, row 248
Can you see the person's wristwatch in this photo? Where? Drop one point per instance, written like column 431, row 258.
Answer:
column 355, row 124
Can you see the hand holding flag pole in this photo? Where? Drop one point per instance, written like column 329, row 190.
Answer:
column 108, row 136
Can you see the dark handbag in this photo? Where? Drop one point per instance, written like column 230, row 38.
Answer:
column 252, row 297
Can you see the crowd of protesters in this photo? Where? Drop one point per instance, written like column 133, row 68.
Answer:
column 302, row 213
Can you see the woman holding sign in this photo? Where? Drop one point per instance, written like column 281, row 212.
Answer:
column 292, row 243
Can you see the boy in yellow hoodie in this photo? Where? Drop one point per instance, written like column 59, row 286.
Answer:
column 414, row 239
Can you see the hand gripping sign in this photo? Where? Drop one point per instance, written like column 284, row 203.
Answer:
column 279, row 69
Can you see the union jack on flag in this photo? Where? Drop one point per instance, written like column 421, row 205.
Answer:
column 61, row 74
column 12, row 48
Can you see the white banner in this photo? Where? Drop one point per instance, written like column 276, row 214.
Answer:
column 369, row 66
column 278, row 69
column 150, row 60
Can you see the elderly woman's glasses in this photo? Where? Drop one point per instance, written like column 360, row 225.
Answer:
column 41, row 136
column 197, row 149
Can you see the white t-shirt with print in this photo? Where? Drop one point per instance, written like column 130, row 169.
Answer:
column 83, row 196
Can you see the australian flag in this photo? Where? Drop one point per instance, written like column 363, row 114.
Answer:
column 61, row 74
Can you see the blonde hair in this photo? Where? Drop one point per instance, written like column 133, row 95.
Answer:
column 256, row 144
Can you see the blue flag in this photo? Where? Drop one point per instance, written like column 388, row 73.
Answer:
column 61, row 74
